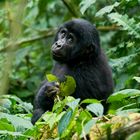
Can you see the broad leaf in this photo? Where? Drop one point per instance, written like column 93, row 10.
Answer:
column 107, row 9
column 126, row 23
column 49, row 118
column 51, row 78
column 17, row 122
column 137, row 79
column 67, row 87
column 64, row 122
column 118, row 96
column 87, row 127
column 134, row 136
column 4, row 125
column 85, row 4
column 96, row 108
column 73, row 104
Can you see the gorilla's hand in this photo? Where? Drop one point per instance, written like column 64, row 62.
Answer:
column 49, row 89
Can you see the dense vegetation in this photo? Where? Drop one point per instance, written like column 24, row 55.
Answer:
column 26, row 32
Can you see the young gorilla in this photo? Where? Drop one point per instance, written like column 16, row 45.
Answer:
column 77, row 53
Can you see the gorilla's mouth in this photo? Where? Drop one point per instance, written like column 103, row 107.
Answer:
column 57, row 54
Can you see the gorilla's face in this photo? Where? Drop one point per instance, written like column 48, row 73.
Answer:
column 64, row 43
column 75, row 39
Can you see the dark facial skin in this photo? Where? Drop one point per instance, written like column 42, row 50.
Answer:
column 77, row 52
column 63, row 44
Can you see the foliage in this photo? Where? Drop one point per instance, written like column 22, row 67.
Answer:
column 68, row 120
column 26, row 31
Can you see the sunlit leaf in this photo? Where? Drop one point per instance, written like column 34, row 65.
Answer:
column 4, row 125
column 118, row 96
column 87, row 127
column 96, row 108
column 51, row 78
column 85, row 4
column 89, row 101
column 73, row 104
column 107, row 9
column 49, row 118
column 126, row 23
column 17, row 121
column 137, row 79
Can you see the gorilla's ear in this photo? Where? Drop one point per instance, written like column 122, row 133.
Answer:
column 94, row 49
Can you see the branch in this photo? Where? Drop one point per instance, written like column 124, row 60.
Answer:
column 107, row 28
column 45, row 34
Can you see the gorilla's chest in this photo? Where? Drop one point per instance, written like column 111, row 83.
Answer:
column 60, row 70
column 83, row 75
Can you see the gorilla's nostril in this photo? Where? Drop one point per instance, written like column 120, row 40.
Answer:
column 58, row 46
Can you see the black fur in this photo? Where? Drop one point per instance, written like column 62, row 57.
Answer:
column 85, row 61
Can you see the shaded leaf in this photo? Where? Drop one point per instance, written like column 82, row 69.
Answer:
column 64, row 122
column 67, row 87
column 134, row 136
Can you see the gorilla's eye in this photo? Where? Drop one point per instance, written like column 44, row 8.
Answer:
column 70, row 38
column 63, row 33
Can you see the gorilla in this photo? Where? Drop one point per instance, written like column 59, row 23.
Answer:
column 77, row 53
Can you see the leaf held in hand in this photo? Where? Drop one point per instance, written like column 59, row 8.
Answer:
column 51, row 78
column 68, row 87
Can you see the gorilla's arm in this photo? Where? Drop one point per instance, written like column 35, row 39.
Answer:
column 44, row 99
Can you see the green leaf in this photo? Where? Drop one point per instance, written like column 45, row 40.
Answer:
column 134, row 136
column 6, row 103
column 51, row 78
column 137, row 79
column 17, row 121
column 96, row 108
column 50, row 118
column 17, row 102
column 4, row 125
column 42, row 4
column 107, row 9
column 120, row 63
column 67, row 87
column 118, row 96
column 64, row 122
column 5, row 132
column 89, row 101
column 85, row 4
column 73, row 104
column 126, row 23
column 87, row 127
